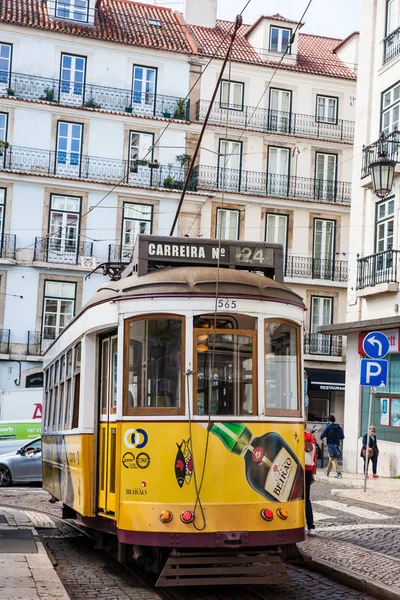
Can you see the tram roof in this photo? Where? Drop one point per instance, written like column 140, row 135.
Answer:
column 193, row 281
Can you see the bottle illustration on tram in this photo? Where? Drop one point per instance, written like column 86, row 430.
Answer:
column 272, row 468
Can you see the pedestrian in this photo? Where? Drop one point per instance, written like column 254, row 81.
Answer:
column 373, row 452
column 334, row 435
column 310, row 469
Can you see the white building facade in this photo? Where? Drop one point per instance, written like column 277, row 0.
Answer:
column 96, row 130
column 373, row 294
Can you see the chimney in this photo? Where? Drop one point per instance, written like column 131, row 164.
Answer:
column 201, row 12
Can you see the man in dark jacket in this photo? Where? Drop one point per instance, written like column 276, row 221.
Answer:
column 373, row 444
column 334, row 435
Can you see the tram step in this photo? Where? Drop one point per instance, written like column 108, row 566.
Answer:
column 221, row 568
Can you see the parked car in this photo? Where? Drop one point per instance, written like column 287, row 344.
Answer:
column 23, row 465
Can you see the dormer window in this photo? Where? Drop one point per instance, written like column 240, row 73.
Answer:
column 279, row 39
column 73, row 10
column 154, row 22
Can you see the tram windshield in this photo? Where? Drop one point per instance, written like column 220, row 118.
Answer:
column 282, row 366
column 226, row 365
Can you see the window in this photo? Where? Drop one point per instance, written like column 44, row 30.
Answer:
column 144, row 88
column 227, row 224
column 62, row 392
column 154, row 364
column 276, row 229
column 232, row 95
column 140, row 151
column 58, row 307
column 64, row 229
column 278, row 171
column 154, row 22
column 327, row 109
column 325, row 176
column 3, row 126
column 391, row 110
column 321, row 314
column 281, row 367
column 280, row 106
column 109, row 368
column 390, row 412
column 324, row 248
column 393, row 16
column 5, row 64
column 69, row 147
column 73, row 70
column 75, row 10
column 279, row 39
column 229, row 165
column 137, row 218
column 225, row 365
column 2, row 214
column 384, row 235
column 34, row 381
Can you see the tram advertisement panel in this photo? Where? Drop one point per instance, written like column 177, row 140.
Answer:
column 245, row 462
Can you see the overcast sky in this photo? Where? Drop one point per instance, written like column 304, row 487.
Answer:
column 335, row 18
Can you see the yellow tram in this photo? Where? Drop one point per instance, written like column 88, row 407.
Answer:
column 173, row 411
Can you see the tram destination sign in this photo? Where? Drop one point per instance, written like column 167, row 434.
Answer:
column 153, row 251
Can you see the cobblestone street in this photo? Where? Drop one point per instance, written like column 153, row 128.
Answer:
column 94, row 574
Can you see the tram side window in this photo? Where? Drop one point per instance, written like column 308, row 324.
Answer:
column 154, row 365
column 77, row 386
column 282, row 367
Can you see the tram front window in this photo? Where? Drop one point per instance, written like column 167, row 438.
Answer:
column 225, row 373
column 154, row 364
column 282, row 366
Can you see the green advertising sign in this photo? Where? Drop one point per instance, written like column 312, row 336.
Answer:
column 20, row 431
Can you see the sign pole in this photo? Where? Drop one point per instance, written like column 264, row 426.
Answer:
column 371, row 395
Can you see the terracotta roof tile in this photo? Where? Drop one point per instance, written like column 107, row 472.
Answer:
column 115, row 21
column 315, row 53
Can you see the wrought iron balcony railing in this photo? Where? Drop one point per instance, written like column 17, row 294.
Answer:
column 381, row 267
column 316, row 268
column 61, row 250
column 276, row 186
column 32, row 87
column 4, row 341
column 388, row 145
column 37, row 345
column 323, row 344
column 392, row 45
column 8, row 246
column 119, row 253
column 289, row 123
column 76, row 166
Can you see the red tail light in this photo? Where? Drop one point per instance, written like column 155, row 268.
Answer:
column 267, row 514
column 187, row 516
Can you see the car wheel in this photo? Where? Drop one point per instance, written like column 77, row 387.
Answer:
column 5, row 476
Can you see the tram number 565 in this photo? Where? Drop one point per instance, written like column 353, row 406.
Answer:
column 226, row 303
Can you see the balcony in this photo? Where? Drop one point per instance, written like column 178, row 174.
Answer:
column 274, row 186
column 4, row 341
column 8, row 246
column 274, row 121
column 388, row 145
column 36, row 345
column 31, row 87
column 119, row 253
column 75, row 166
column 62, row 251
column 392, row 46
column 322, row 344
column 376, row 269
column 316, row 268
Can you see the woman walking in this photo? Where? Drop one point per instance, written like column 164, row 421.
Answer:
column 310, row 470
column 373, row 452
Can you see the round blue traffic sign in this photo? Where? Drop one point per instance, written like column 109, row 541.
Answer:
column 376, row 344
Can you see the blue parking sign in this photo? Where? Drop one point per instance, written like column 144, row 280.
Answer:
column 373, row 372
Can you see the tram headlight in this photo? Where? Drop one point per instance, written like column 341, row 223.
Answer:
column 267, row 514
column 166, row 516
column 282, row 513
column 187, row 516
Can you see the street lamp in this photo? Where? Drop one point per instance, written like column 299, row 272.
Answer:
column 382, row 171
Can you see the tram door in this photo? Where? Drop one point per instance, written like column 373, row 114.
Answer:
column 108, row 429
